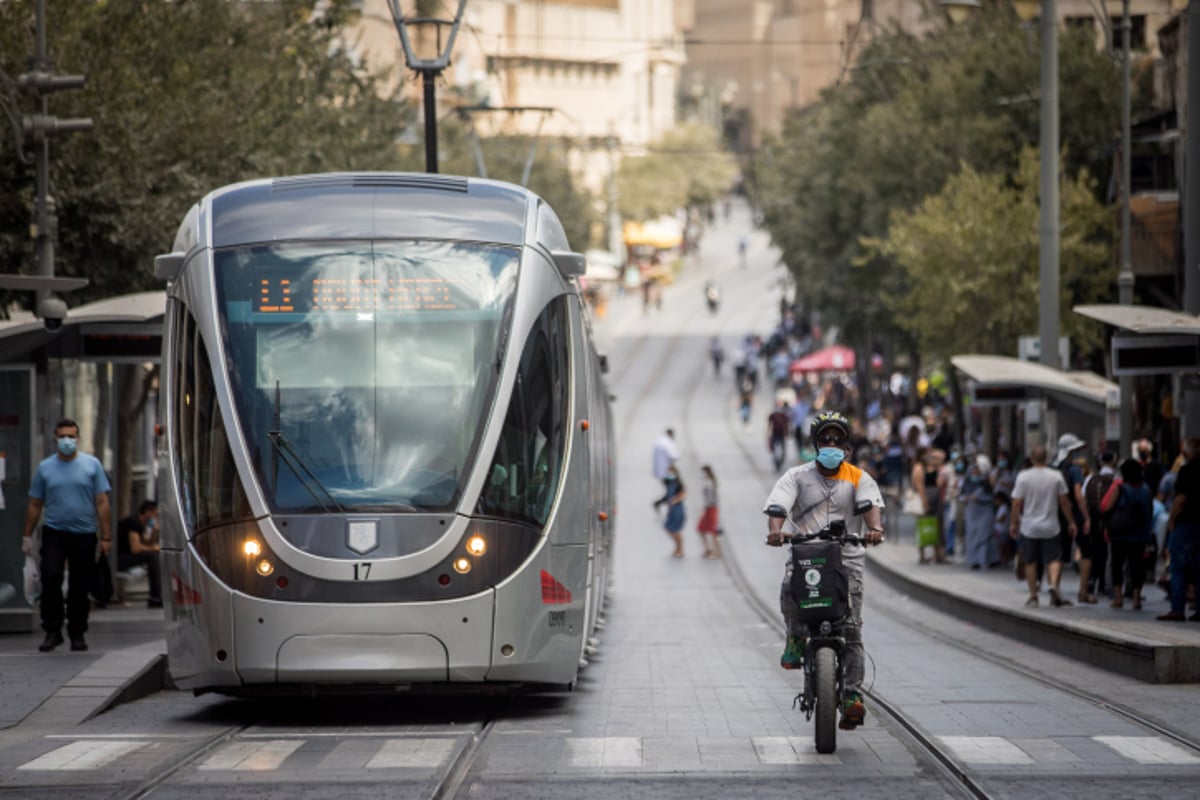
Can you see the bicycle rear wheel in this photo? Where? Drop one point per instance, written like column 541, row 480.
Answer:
column 826, row 679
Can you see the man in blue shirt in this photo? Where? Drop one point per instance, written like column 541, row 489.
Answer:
column 71, row 490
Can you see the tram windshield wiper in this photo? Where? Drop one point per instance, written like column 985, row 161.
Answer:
column 285, row 452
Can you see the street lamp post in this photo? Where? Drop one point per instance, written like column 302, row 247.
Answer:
column 428, row 67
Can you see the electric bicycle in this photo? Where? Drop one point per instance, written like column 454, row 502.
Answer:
column 820, row 588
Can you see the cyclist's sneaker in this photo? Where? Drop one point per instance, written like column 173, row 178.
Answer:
column 853, row 712
column 793, row 654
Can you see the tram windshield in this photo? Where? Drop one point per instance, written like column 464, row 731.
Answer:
column 362, row 370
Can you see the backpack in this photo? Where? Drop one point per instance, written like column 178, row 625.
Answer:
column 1097, row 487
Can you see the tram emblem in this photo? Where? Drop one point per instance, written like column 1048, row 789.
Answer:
column 362, row 537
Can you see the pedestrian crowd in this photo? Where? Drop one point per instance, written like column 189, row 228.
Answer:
column 1119, row 523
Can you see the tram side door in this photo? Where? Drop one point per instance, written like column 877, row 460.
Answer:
column 16, row 472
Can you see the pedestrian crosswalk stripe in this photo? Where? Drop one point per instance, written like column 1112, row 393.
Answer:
column 411, row 753
column 608, row 751
column 261, row 755
column 789, row 750
column 258, row 756
column 84, row 754
column 1148, row 749
column 985, row 750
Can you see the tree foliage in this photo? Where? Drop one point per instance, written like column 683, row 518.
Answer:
column 504, row 159
column 687, row 168
column 914, row 112
column 186, row 97
column 982, row 230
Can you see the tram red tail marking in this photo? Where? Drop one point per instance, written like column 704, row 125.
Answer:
column 184, row 594
column 553, row 592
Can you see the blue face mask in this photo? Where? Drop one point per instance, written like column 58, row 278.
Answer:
column 831, row 457
column 66, row 445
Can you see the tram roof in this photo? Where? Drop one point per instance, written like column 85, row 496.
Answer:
column 367, row 206
column 126, row 327
column 997, row 372
column 1143, row 319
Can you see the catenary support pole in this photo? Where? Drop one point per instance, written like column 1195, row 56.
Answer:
column 1125, row 276
column 1050, row 293
column 1191, row 209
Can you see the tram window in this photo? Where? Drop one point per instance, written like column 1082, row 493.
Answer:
column 362, row 370
column 550, row 230
column 208, row 479
column 528, row 462
column 218, row 489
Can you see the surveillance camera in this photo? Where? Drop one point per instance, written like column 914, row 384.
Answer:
column 52, row 311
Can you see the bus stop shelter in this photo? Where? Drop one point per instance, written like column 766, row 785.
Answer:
column 1035, row 400
column 47, row 375
column 1156, row 341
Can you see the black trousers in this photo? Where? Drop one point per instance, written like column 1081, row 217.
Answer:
column 77, row 552
column 1128, row 553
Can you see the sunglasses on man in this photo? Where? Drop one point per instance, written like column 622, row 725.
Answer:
column 831, row 440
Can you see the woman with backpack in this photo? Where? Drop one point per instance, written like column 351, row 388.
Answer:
column 1126, row 512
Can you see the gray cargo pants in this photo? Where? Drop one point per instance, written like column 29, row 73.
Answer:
column 851, row 629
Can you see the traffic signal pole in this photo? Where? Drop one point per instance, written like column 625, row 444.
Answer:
column 40, row 82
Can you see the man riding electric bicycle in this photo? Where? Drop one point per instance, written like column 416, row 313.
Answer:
column 815, row 494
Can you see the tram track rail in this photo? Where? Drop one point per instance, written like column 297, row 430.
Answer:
column 447, row 788
column 174, row 767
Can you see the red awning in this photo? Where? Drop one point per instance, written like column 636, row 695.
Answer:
column 837, row 357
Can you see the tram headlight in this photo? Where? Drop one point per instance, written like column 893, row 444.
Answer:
column 264, row 568
column 252, row 547
column 476, row 545
column 462, row 565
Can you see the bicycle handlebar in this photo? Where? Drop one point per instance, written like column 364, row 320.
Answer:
column 825, row 535
column 834, row 532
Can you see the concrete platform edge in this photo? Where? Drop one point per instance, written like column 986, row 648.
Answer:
column 149, row 678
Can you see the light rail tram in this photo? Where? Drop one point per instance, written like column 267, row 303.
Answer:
column 386, row 456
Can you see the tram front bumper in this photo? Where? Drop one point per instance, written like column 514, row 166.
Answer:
column 282, row 643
